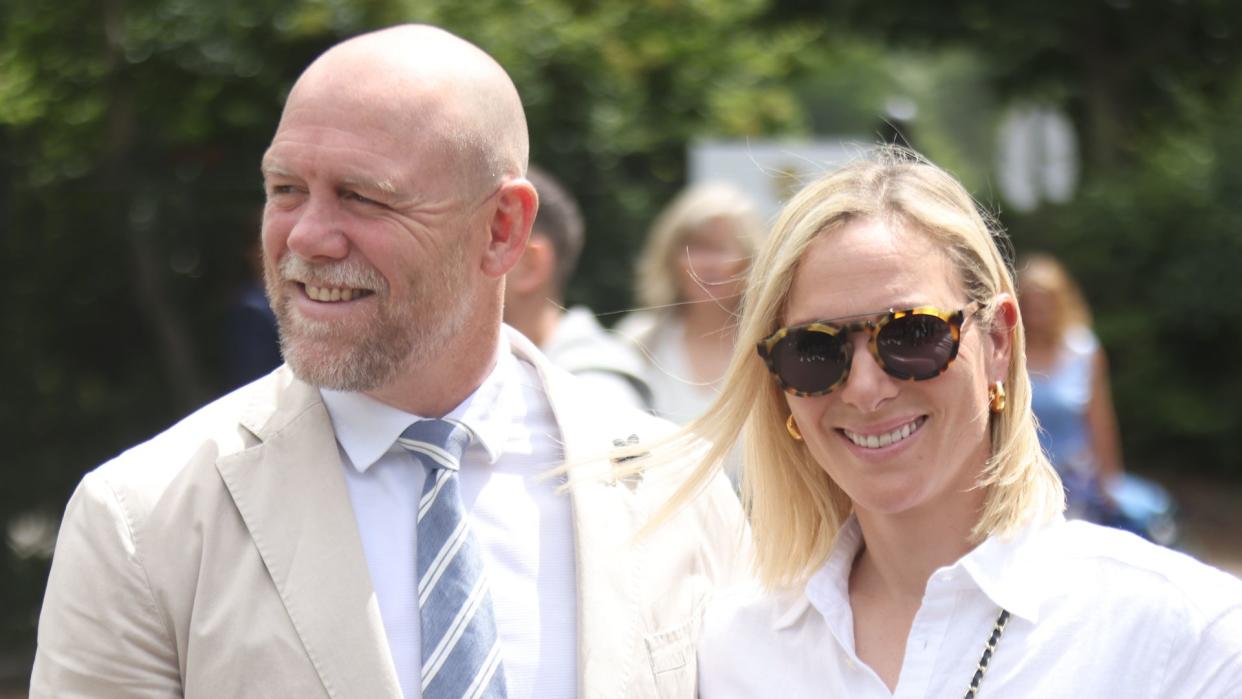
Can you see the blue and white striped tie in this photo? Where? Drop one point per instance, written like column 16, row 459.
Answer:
column 460, row 647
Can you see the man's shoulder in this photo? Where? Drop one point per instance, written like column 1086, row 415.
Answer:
column 225, row 426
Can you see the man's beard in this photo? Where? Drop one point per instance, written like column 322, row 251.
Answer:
column 400, row 334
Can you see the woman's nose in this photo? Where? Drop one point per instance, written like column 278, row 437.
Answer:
column 868, row 386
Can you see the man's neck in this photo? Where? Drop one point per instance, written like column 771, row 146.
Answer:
column 436, row 386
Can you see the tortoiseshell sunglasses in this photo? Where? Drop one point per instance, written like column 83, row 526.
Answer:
column 812, row 359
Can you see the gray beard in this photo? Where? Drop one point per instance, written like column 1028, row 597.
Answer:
column 402, row 335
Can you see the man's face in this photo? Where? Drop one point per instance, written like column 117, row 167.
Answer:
column 368, row 256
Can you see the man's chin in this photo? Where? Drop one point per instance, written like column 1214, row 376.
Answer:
column 339, row 371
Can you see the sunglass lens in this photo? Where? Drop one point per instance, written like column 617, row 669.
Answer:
column 809, row 361
column 916, row 346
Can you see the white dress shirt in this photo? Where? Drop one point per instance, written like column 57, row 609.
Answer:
column 515, row 513
column 1096, row 612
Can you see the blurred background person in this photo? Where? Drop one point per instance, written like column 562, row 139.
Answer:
column 1072, row 400
column 252, row 345
column 690, row 279
column 534, row 302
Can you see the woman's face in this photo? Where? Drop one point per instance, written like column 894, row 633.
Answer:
column 711, row 264
column 868, row 268
column 1040, row 314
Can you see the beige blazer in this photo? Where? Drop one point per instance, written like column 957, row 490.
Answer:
column 222, row 559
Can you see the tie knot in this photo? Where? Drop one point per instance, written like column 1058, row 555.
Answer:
column 437, row 443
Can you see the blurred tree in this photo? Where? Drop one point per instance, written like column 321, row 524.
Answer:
column 1119, row 66
column 130, row 136
column 1157, row 249
column 1154, row 89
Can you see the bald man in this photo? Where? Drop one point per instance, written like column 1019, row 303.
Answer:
column 269, row 544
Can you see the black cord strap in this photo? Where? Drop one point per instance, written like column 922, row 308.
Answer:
column 986, row 658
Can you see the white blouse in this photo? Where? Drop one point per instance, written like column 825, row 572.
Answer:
column 1095, row 612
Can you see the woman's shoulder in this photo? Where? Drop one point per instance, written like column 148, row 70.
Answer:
column 1135, row 574
column 1193, row 610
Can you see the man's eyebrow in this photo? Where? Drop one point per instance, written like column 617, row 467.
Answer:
column 275, row 169
column 369, row 183
column 271, row 167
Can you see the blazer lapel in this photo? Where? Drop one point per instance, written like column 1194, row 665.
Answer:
column 293, row 498
column 606, row 515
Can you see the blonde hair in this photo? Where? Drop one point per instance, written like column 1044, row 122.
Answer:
column 691, row 210
column 795, row 508
column 1042, row 271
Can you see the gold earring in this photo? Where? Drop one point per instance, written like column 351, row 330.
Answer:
column 996, row 397
column 792, row 426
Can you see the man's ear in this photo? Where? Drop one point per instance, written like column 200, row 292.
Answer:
column 1003, row 335
column 509, row 227
column 533, row 269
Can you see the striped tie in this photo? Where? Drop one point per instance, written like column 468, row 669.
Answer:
column 461, row 650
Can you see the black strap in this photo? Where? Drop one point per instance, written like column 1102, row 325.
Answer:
column 986, row 658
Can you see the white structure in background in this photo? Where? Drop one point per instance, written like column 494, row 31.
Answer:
column 769, row 171
column 1037, row 157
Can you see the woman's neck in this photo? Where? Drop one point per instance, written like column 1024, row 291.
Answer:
column 890, row 573
column 900, row 553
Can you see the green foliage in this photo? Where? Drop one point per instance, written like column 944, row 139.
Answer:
column 1157, row 248
column 1119, row 65
column 1154, row 90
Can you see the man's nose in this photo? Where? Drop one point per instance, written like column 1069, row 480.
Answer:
column 868, row 386
column 318, row 233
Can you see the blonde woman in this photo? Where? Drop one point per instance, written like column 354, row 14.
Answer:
column 1070, row 391
column 908, row 531
column 690, row 279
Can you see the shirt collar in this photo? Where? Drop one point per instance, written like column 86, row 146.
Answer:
column 1011, row 571
column 367, row 429
column 828, row 588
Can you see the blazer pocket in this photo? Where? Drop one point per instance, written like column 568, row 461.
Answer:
column 673, row 663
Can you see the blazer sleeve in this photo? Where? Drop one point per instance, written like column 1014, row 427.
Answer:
column 101, row 632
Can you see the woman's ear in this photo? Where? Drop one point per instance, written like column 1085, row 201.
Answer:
column 509, row 227
column 1002, row 333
